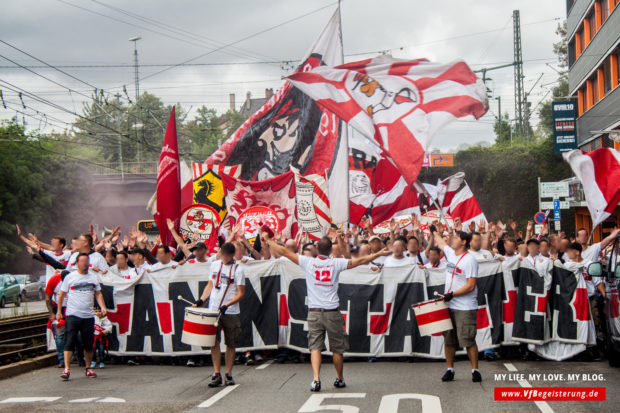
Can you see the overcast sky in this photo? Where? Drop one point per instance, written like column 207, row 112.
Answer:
column 96, row 33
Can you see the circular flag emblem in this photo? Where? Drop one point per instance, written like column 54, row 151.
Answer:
column 431, row 216
column 403, row 221
column 253, row 218
column 199, row 219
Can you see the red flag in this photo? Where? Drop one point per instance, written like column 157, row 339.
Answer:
column 599, row 173
column 168, row 183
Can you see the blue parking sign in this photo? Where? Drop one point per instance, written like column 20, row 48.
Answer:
column 556, row 209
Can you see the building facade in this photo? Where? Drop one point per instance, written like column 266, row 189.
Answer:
column 593, row 29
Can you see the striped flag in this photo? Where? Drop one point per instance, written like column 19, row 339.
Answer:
column 599, row 173
column 401, row 104
column 456, row 199
column 312, row 199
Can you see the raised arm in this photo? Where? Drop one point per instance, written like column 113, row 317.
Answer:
column 437, row 234
column 606, row 241
column 279, row 249
column 180, row 242
column 368, row 258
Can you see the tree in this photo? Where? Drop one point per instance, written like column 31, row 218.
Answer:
column 502, row 130
column 41, row 189
column 545, row 125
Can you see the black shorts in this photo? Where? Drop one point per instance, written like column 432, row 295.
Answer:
column 86, row 328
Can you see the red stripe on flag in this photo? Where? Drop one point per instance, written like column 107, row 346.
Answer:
column 284, row 314
column 466, row 210
column 200, row 329
column 458, row 106
column 460, row 73
column 433, row 316
column 482, row 318
column 607, row 175
column 402, row 68
column 379, row 322
column 164, row 314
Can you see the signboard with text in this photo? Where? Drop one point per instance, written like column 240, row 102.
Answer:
column 564, row 114
column 553, row 189
column 442, row 159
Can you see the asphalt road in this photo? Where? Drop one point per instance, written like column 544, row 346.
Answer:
column 27, row 308
column 375, row 387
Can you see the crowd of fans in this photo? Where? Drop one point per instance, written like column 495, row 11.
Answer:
column 129, row 256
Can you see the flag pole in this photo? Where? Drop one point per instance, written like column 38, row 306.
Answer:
column 345, row 133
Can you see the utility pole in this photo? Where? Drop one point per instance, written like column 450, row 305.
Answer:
column 120, row 135
column 518, row 64
column 499, row 116
column 137, row 81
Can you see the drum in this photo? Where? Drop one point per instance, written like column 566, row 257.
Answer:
column 432, row 316
column 199, row 327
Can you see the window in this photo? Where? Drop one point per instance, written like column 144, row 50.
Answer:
column 604, row 10
column 595, row 144
column 607, row 75
column 592, row 24
column 595, row 94
column 571, row 52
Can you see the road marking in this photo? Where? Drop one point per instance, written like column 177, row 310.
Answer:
column 542, row 406
column 29, row 399
column 219, row 395
column 86, row 400
column 313, row 404
column 264, row 365
column 389, row 403
column 111, row 400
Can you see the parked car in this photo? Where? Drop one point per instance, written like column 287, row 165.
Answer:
column 30, row 290
column 9, row 291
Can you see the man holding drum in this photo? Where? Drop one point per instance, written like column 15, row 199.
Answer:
column 461, row 295
column 322, row 275
column 225, row 289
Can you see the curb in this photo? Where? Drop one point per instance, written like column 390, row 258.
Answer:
column 25, row 366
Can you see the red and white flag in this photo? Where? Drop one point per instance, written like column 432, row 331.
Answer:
column 401, row 104
column 291, row 130
column 455, row 198
column 313, row 212
column 376, row 187
column 168, row 184
column 599, row 173
column 273, row 197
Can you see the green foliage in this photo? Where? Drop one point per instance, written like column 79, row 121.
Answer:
column 44, row 192
column 503, row 178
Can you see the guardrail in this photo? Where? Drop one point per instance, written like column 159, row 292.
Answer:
column 23, row 337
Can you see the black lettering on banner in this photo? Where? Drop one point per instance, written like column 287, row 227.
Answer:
column 355, row 298
column 144, row 320
column 533, row 329
column 490, row 294
column 359, row 160
column 178, row 309
column 563, row 286
column 108, row 299
column 262, row 312
column 406, row 295
column 298, row 311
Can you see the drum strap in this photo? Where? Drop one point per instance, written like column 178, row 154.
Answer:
column 454, row 270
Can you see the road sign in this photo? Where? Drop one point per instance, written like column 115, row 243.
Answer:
column 556, row 209
column 549, row 205
column 426, row 163
column 538, row 228
column 564, row 115
column 446, row 159
column 557, row 225
column 539, row 217
column 553, row 189
column 148, row 226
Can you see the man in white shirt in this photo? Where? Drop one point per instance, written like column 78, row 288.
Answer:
column 81, row 288
column 510, row 251
column 542, row 264
column 592, row 253
column 139, row 261
column 59, row 253
column 376, row 244
column 322, row 276
column 398, row 258
column 164, row 259
column 225, row 289
column 122, row 267
column 413, row 251
column 434, row 259
column 461, row 294
column 85, row 245
column 475, row 248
